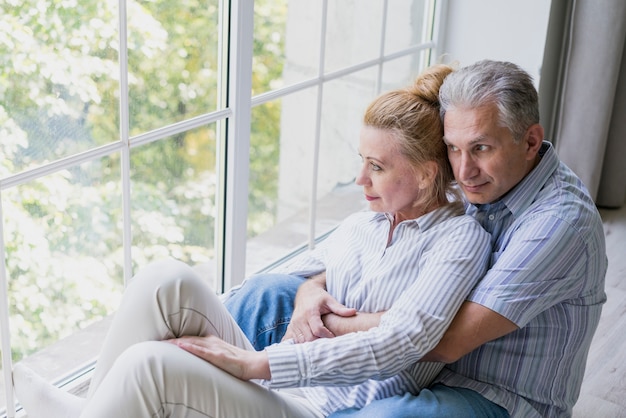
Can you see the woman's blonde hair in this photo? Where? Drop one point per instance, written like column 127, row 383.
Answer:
column 412, row 116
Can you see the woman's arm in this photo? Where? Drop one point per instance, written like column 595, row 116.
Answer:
column 311, row 303
column 243, row 364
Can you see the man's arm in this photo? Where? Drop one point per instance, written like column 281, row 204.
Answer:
column 360, row 321
column 472, row 326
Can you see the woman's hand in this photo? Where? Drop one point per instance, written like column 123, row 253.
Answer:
column 313, row 301
column 243, row 364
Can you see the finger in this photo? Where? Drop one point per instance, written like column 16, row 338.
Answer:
column 340, row 309
column 318, row 329
column 289, row 333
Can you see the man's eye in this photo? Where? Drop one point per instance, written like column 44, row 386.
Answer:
column 482, row 147
column 452, row 148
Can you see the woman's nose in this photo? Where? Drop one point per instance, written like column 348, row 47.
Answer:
column 361, row 178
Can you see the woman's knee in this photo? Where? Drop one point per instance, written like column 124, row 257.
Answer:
column 163, row 271
column 166, row 276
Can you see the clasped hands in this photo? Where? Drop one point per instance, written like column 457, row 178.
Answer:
column 314, row 311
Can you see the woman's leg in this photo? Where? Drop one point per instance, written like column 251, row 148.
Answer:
column 165, row 300
column 157, row 379
column 263, row 307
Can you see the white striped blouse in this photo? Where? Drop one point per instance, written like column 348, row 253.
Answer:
column 420, row 279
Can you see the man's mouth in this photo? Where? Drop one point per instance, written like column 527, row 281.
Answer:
column 473, row 188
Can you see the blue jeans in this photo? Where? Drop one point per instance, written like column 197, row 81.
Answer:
column 263, row 307
column 436, row 401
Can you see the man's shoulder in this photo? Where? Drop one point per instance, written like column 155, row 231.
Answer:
column 564, row 196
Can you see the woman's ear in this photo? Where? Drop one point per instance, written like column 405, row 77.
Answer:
column 427, row 174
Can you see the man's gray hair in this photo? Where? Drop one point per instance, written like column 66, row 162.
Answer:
column 487, row 82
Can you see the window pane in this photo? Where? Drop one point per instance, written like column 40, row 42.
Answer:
column 286, row 43
column 406, row 24
column 353, row 32
column 173, row 200
column 63, row 245
column 282, row 151
column 302, row 40
column 58, row 78
column 403, row 71
column 281, row 158
column 172, row 60
column 345, row 100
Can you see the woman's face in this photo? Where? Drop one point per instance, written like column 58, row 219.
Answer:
column 390, row 183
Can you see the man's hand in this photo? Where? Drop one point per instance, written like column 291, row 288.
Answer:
column 342, row 325
column 243, row 364
column 313, row 301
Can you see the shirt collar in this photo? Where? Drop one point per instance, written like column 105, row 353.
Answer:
column 432, row 218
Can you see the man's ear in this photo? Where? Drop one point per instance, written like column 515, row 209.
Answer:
column 533, row 140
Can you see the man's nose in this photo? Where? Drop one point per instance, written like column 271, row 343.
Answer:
column 467, row 167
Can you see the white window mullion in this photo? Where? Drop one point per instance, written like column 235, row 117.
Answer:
column 381, row 54
column 318, row 127
column 440, row 9
column 238, row 141
column 5, row 333
column 125, row 139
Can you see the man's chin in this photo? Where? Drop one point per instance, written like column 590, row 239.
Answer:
column 476, row 198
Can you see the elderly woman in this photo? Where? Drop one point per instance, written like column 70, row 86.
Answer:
column 173, row 349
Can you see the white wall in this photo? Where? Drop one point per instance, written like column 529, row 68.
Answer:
column 506, row 30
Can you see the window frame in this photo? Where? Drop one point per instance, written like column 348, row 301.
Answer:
column 232, row 119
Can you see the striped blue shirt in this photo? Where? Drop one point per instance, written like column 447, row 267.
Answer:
column 420, row 279
column 547, row 276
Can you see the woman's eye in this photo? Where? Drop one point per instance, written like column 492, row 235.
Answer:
column 375, row 167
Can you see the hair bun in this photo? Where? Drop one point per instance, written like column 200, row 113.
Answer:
column 427, row 84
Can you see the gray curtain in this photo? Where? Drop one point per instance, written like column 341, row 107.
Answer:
column 582, row 93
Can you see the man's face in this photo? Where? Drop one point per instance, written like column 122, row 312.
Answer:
column 486, row 161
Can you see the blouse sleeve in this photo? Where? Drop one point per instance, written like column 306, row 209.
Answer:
column 409, row 329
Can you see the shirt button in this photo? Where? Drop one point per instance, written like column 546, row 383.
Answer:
column 492, row 217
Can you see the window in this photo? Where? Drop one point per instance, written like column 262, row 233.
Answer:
column 220, row 133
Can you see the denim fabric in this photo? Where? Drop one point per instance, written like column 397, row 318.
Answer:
column 263, row 307
column 438, row 401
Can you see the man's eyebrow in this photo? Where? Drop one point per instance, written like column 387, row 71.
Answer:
column 474, row 141
column 481, row 138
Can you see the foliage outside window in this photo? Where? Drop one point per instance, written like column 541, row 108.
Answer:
column 59, row 96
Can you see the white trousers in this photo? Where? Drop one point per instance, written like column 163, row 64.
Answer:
column 138, row 375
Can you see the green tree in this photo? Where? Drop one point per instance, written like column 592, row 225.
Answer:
column 59, row 96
